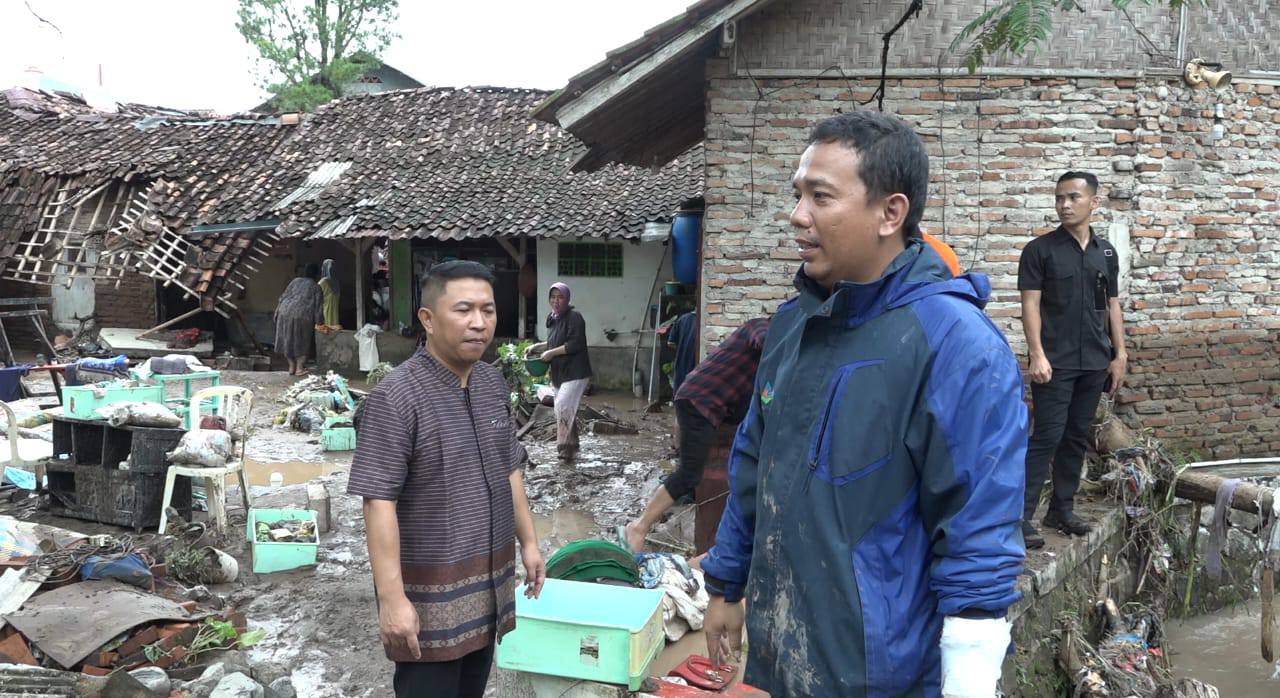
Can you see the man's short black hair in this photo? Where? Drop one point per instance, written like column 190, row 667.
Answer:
column 891, row 158
column 1088, row 178
column 441, row 274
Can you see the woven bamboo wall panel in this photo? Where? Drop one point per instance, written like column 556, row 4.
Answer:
column 1242, row 34
column 817, row 34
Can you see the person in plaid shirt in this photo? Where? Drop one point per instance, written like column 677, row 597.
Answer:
column 717, row 391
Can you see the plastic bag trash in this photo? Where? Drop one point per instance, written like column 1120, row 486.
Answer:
column 367, row 339
column 22, row 478
column 130, row 569
column 139, row 414
column 211, row 448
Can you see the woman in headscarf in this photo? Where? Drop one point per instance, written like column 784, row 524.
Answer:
column 296, row 316
column 570, row 367
column 330, row 292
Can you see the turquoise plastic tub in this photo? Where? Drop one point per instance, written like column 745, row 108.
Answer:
column 277, row 557
column 80, row 401
column 593, row 632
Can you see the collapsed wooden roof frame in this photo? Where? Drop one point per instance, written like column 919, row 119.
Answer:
column 130, row 238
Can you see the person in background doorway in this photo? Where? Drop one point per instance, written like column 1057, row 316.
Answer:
column 441, row 473
column 296, row 317
column 330, row 292
column 717, row 391
column 570, row 367
column 1069, row 280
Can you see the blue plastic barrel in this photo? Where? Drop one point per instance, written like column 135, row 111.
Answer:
column 685, row 233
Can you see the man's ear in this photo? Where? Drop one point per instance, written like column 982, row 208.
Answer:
column 424, row 317
column 894, row 210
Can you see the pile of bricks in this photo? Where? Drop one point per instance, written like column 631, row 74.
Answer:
column 171, row 640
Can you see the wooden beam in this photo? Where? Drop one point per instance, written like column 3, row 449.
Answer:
column 244, row 325
column 573, row 113
column 169, row 323
column 511, row 250
column 1203, row 487
column 521, row 301
column 358, row 246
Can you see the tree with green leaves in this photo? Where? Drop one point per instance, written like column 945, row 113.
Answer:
column 308, row 49
column 1019, row 27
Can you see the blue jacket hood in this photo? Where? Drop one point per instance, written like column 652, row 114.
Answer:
column 917, row 272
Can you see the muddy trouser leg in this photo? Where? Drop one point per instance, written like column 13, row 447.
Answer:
column 696, row 435
column 1049, row 414
column 568, row 397
column 1068, row 461
column 464, row 677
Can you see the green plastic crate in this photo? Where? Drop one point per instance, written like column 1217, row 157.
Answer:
column 80, row 402
column 338, row 439
column 277, row 557
column 593, row 632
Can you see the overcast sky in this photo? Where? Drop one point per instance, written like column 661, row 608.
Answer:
column 188, row 54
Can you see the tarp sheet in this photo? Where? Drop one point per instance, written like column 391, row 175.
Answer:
column 70, row 623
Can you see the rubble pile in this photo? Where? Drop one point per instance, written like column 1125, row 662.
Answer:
column 316, row 403
column 106, row 614
column 541, row 423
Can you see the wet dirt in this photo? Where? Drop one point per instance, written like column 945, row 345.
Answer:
column 321, row 622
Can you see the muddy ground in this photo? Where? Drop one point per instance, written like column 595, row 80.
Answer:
column 322, row 621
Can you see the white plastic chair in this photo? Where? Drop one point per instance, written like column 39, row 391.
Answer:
column 25, row 454
column 233, row 403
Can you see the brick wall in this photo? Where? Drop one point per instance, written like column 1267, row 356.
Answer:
column 131, row 305
column 1195, row 222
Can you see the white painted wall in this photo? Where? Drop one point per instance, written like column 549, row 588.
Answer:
column 620, row 304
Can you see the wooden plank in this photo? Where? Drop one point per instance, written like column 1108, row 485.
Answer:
column 40, row 300
column 169, row 323
column 573, row 113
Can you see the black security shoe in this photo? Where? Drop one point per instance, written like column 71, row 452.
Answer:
column 1031, row 537
column 1067, row 522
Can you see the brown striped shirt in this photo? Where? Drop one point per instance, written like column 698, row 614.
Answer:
column 444, row 453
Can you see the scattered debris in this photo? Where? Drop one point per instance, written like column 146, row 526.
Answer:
column 287, row 531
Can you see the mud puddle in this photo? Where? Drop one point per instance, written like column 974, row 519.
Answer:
column 557, row 528
column 296, row 472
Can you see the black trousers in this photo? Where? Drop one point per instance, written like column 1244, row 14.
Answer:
column 1064, row 409
column 696, row 435
column 465, row 677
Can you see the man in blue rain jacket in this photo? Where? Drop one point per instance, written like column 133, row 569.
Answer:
column 877, row 481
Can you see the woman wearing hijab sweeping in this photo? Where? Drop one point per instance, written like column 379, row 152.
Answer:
column 296, row 317
column 570, row 367
column 330, row 292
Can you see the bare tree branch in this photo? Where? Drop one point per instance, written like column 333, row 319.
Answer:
column 42, row 19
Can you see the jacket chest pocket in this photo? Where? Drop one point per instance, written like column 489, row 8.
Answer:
column 1059, row 284
column 853, row 437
